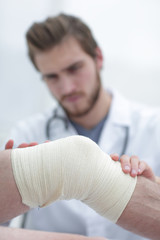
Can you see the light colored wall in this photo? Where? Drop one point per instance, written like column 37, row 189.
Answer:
column 127, row 31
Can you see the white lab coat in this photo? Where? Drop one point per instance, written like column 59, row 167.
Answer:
column 137, row 124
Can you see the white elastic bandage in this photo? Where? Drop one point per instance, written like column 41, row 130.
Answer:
column 72, row 167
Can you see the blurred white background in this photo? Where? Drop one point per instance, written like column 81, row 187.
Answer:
column 128, row 31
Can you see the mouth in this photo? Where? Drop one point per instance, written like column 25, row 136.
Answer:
column 72, row 98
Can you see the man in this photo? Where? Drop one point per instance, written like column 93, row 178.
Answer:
column 64, row 51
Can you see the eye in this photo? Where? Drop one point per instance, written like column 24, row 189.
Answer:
column 75, row 67
column 50, row 78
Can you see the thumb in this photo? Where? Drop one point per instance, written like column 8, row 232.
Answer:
column 9, row 144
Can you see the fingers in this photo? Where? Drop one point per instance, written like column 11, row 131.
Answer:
column 9, row 144
column 133, row 166
column 114, row 156
column 24, row 145
column 157, row 179
column 146, row 171
column 32, row 144
column 125, row 163
column 142, row 167
column 130, row 164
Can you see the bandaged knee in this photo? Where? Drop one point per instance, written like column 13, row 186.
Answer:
column 72, row 168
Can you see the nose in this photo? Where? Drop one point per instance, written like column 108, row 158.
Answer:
column 67, row 85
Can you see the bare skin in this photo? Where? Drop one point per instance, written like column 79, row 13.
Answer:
column 130, row 165
column 133, row 166
column 19, row 234
column 12, row 206
column 73, row 78
column 142, row 210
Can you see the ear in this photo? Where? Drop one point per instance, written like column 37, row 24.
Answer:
column 99, row 58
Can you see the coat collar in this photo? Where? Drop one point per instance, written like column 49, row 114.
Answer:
column 120, row 110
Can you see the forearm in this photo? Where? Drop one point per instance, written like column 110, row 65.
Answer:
column 19, row 234
column 142, row 214
column 10, row 200
column 11, row 205
column 157, row 179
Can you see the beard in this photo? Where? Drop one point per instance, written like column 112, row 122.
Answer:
column 90, row 102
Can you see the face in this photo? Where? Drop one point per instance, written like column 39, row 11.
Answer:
column 72, row 76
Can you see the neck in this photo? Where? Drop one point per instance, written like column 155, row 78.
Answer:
column 97, row 113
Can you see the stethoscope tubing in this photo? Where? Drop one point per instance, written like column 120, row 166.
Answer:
column 65, row 121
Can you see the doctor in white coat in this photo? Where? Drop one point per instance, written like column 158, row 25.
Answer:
column 63, row 49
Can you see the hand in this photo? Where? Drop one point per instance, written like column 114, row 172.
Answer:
column 158, row 180
column 10, row 143
column 133, row 166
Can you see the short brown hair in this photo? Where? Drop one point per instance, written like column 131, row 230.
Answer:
column 47, row 34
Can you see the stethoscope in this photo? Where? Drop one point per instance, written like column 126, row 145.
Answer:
column 66, row 123
column 54, row 117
